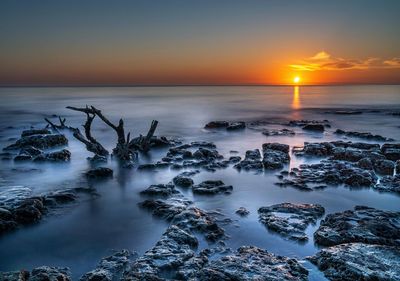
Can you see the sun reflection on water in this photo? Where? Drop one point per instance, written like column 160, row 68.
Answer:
column 296, row 98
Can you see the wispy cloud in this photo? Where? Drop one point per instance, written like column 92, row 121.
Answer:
column 324, row 61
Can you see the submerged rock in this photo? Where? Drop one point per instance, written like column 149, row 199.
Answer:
column 362, row 135
column 100, row 172
column 160, row 190
column 39, row 141
column 252, row 263
column 236, row 126
column 111, row 268
column 242, row 211
column 230, row 126
column 252, row 161
column 389, row 184
column 391, row 151
column 281, row 132
column 42, row 273
column 212, row 187
column 290, row 220
column 182, row 181
column 364, row 224
column 32, row 132
column 358, row 261
column 314, row 127
column 57, row 156
column 275, row 155
column 166, row 209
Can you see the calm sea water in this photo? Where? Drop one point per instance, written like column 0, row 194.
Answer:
column 80, row 234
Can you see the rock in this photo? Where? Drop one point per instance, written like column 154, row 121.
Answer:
column 57, row 156
column 274, row 159
column 290, row 220
column 365, row 163
column 252, row 263
column 100, row 172
column 398, row 166
column 236, row 126
column 357, row 261
column 212, row 187
column 195, row 219
column 111, row 267
column 97, row 159
column 32, row 132
column 392, row 153
column 281, row 132
column 314, row 127
column 206, row 154
column 302, row 123
column 361, row 135
column 190, row 267
column 60, row 197
column 23, row 157
column 384, row 167
column 234, row 159
column 30, row 150
column 50, row 273
column 166, row 209
column 347, row 112
column 389, row 184
column 182, row 181
column 175, row 247
column 252, row 161
column 242, row 211
column 40, row 141
column 216, row 124
column 364, row 224
column 160, row 190
column 7, row 225
column 276, row 146
column 29, row 211
column 316, row 149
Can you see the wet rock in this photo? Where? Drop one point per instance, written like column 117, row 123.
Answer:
column 111, row 267
column 30, row 150
column 50, row 273
column 314, row 127
column 57, row 156
column 365, row 163
column 190, row 267
column 315, row 149
column 97, row 159
column 40, row 141
column 398, row 166
column 100, row 172
column 212, row 187
column 216, row 124
column 182, row 181
column 302, row 123
column 357, row 261
column 242, row 211
column 32, row 132
column 384, row 167
column 252, row 263
column 358, row 145
column 290, row 220
column 275, row 155
column 206, row 154
column 29, row 211
column 362, row 135
column 59, row 197
column 236, row 126
column 252, row 161
column 23, row 157
column 160, row 190
column 234, row 159
column 175, row 247
column 281, row 132
column 347, row 112
column 389, row 184
column 166, row 209
column 391, row 151
column 195, row 219
column 364, row 224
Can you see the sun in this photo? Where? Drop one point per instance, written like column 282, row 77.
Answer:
column 296, row 80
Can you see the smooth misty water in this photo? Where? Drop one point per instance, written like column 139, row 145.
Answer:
column 80, row 234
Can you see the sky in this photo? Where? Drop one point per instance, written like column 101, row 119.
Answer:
column 216, row 42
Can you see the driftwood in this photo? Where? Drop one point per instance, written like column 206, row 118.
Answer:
column 125, row 149
column 90, row 142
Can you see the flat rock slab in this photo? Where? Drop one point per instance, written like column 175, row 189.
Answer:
column 364, row 224
column 212, row 187
column 40, row 141
column 166, row 209
column 252, row 263
column 358, row 261
column 290, row 220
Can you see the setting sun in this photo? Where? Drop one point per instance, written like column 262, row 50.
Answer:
column 296, row 80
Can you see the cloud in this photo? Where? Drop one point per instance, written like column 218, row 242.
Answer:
column 324, row 61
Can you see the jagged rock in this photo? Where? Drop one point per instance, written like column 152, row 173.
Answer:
column 42, row 273
column 384, row 167
column 30, row 150
column 175, row 247
column 252, row 263
column 276, row 146
column 160, row 190
column 275, row 155
column 212, row 187
column 314, row 127
column 111, row 267
column 39, row 141
column 391, row 151
column 100, row 172
column 32, row 132
column 97, row 159
column 29, row 211
column 166, row 209
column 236, row 126
column 281, row 132
column 302, row 123
column 182, row 181
column 57, row 156
column 364, row 224
column 357, row 261
column 315, row 149
column 190, row 267
column 389, row 184
column 290, row 220
column 398, row 166
column 242, row 211
column 206, row 154
column 361, row 135
column 365, row 163
column 195, row 219
column 252, row 161
column 23, row 157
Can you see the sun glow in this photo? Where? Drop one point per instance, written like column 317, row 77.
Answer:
column 296, row 80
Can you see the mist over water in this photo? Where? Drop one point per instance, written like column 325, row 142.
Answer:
column 80, row 234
